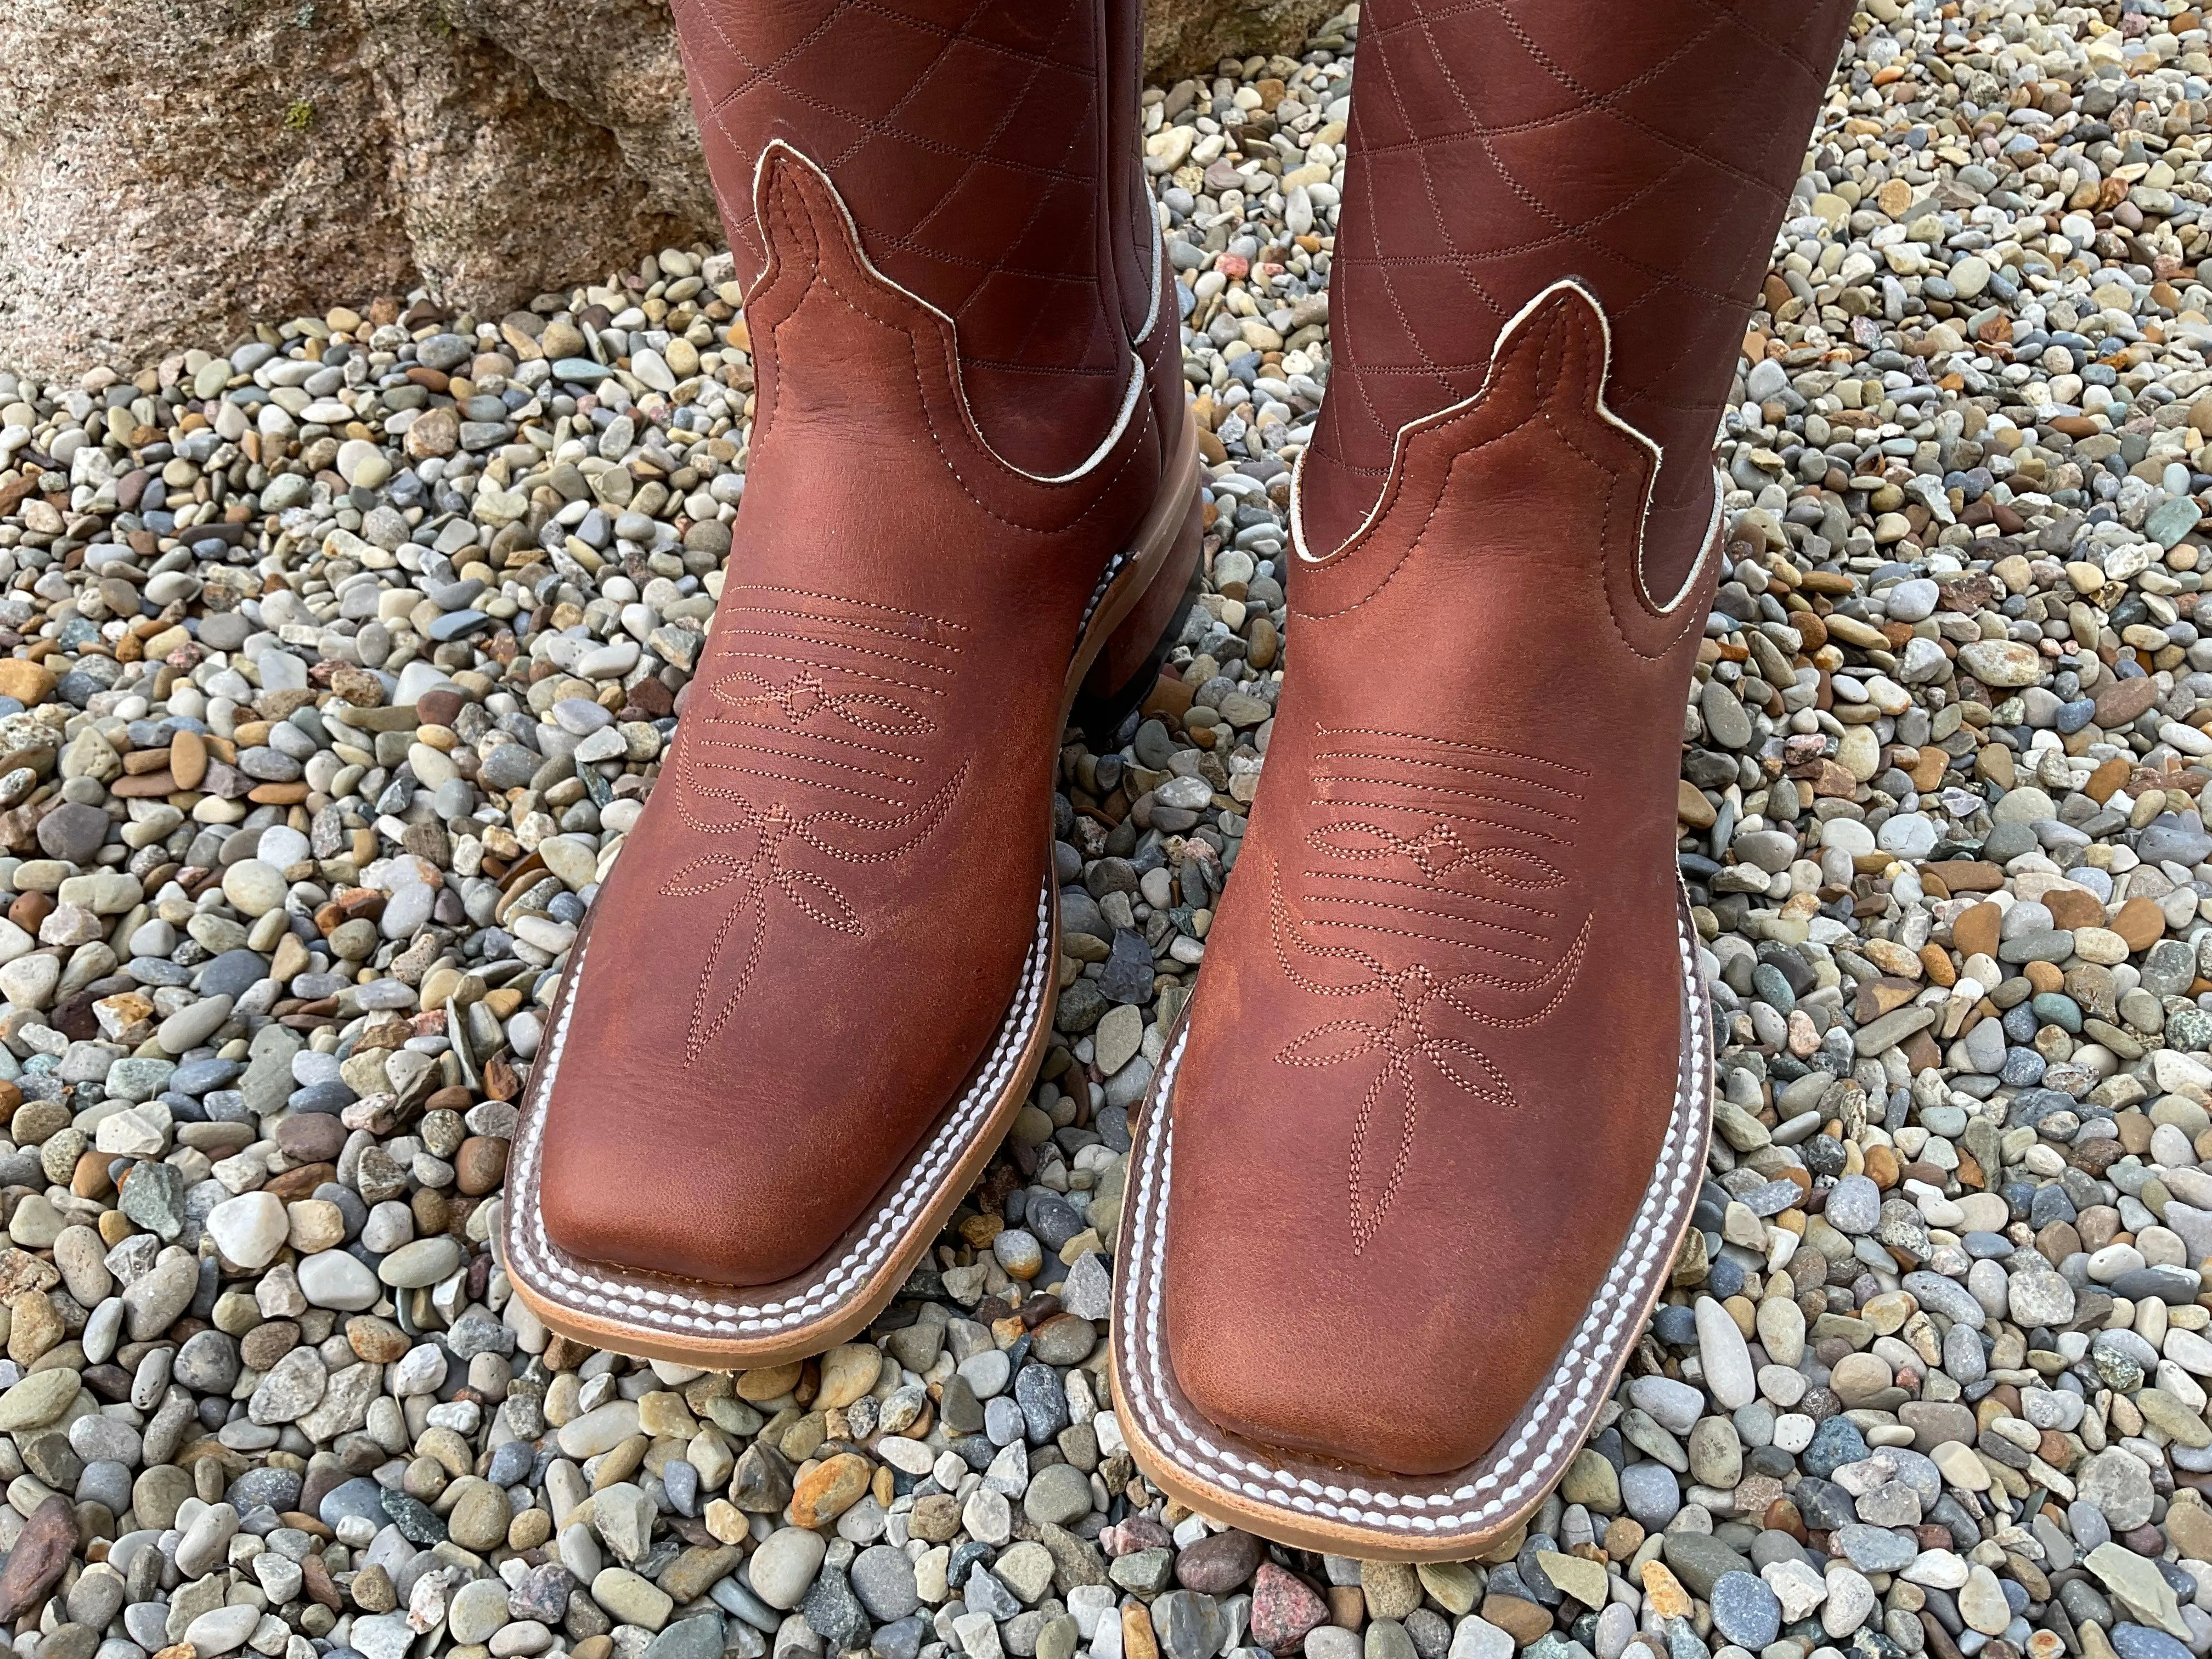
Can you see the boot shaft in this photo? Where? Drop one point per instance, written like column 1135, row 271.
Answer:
column 988, row 156
column 1645, row 151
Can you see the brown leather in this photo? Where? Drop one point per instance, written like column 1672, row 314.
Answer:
column 1646, row 150
column 817, row 925
column 972, row 142
column 1436, row 1045
column 1433, row 1050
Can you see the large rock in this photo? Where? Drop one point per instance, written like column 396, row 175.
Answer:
column 171, row 174
column 1190, row 37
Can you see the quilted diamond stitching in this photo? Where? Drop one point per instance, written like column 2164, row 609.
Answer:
column 969, row 137
column 931, row 119
column 1497, row 146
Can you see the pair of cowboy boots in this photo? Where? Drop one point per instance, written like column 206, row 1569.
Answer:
column 1419, row 1155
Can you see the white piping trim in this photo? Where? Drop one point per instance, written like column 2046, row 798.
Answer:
column 1132, row 397
column 1708, row 549
column 1297, row 515
column 671, row 1311
column 1407, row 432
column 1152, row 211
column 1508, row 1478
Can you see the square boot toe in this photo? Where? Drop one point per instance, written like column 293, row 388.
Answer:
column 731, row 1214
column 1274, row 1373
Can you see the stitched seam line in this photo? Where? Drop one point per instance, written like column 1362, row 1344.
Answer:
column 1324, row 779
column 1417, row 910
column 1642, row 599
column 755, row 652
column 1429, row 887
column 922, row 617
column 1398, row 907
column 795, row 636
column 896, row 635
column 1424, row 739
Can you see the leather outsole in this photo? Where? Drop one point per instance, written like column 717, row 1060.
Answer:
column 1309, row 1503
column 607, row 1305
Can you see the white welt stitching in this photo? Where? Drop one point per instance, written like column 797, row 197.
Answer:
column 1115, row 565
column 664, row 1309
column 1509, row 1475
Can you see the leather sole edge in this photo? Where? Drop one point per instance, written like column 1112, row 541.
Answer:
column 1309, row 1505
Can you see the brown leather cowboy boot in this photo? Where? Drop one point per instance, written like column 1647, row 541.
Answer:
column 816, row 986
column 1417, row 1161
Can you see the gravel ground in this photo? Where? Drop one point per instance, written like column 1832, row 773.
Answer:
column 339, row 661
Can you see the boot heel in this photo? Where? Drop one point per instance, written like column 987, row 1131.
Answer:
column 1128, row 663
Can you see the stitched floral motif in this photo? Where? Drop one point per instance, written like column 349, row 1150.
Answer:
column 810, row 756
column 1433, row 895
